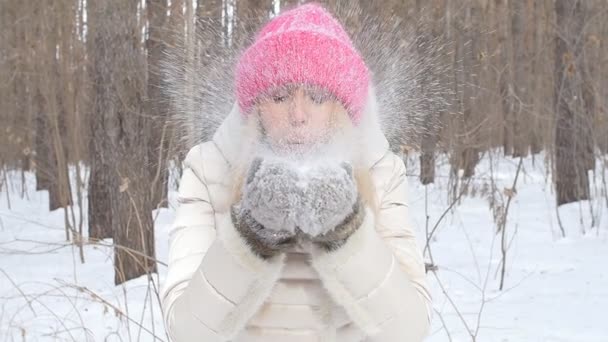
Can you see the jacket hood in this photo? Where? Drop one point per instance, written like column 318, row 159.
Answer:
column 234, row 142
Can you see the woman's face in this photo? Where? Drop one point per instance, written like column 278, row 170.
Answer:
column 294, row 117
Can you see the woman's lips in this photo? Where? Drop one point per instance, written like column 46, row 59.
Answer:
column 298, row 140
column 295, row 140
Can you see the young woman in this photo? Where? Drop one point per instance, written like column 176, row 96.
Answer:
column 292, row 221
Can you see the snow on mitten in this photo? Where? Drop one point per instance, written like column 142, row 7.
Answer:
column 330, row 192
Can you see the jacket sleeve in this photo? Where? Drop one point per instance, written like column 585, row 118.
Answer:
column 378, row 275
column 214, row 282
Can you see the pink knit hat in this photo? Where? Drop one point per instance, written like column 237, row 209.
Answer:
column 303, row 45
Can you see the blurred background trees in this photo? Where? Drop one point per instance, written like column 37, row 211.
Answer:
column 81, row 91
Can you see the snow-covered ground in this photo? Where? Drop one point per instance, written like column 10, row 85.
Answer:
column 556, row 289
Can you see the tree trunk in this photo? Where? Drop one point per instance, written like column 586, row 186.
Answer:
column 156, row 108
column 128, row 132
column 42, row 149
column 41, row 146
column 538, row 100
column 505, row 74
column 287, row 4
column 100, row 209
column 588, row 68
column 571, row 180
column 60, row 194
column 250, row 15
column 520, row 60
column 209, row 25
column 124, row 130
column 430, row 137
column 470, row 152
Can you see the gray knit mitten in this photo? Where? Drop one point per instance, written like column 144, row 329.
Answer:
column 272, row 195
column 264, row 242
column 336, row 237
column 264, row 216
column 332, row 209
column 329, row 195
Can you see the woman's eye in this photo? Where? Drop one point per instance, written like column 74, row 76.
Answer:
column 279, row 98
column 318, row 97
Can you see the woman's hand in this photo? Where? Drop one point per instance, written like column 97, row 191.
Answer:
column 331, row 208
column 264, row 242
column 265, row 214
column 336, row 237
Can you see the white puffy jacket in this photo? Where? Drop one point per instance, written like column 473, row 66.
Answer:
column 371, row 289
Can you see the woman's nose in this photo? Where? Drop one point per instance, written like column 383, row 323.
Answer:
column 298, row 115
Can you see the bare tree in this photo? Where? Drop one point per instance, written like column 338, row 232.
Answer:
column 571, row 179
column 124, row 174
column 209, row 22
column 100, row 210
column 156, row 109
column 432, row 17
column 249, row 15
column 518, row 90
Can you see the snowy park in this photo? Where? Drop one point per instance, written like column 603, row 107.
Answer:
column 303, row 170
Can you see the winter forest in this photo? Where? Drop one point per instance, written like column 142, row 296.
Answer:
column 498, row 108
